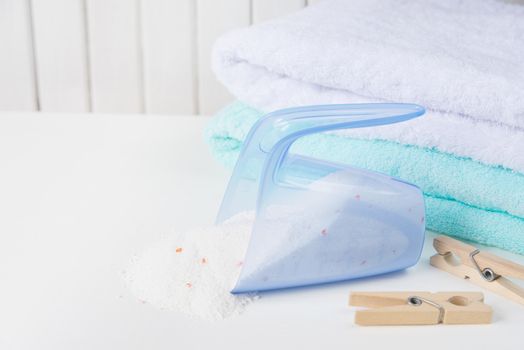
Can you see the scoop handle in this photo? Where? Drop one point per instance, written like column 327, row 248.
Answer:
column 268, row 141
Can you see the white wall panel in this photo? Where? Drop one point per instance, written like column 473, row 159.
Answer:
column 60, row 55
column 269, row 9
column 115, row 55
column 168, row 52
column 17, row 85
column 213, row 19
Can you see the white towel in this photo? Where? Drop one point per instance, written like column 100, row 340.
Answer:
column 461, row 59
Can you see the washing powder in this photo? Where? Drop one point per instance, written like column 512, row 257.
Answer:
column 329, row 238
column 193, row 273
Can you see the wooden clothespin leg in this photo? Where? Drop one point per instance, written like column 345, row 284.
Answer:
column 482, row 268
column 420, row 308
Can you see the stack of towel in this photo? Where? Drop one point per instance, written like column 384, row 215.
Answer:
column 461, row 59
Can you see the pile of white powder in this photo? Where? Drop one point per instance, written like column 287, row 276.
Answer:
column 193, row 273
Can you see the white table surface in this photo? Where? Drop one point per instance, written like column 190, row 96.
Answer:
column 80, row 194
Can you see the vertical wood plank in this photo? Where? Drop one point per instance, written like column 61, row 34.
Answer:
column 213, row 19
column 60, row 55
column 169, row 62
column 115, row 55
column 268, row 9
column 17, row 85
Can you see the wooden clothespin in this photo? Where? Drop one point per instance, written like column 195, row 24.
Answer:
column 418, row 308
column 482, row 268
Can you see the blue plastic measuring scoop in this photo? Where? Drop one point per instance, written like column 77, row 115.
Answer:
column 318, row 221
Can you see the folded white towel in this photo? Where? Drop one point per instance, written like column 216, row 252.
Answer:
column 461, row 59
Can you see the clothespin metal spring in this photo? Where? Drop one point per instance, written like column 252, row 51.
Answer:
column 417, row 301
column 487, row 273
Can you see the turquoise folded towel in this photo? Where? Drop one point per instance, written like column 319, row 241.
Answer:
column 464, row 198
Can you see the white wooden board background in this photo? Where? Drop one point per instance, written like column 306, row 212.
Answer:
column 128, row 56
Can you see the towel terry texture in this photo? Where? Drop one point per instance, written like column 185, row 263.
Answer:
column 461, row 59
column 464, row 198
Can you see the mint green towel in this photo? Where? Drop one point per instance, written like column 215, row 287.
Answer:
column 464, row 198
